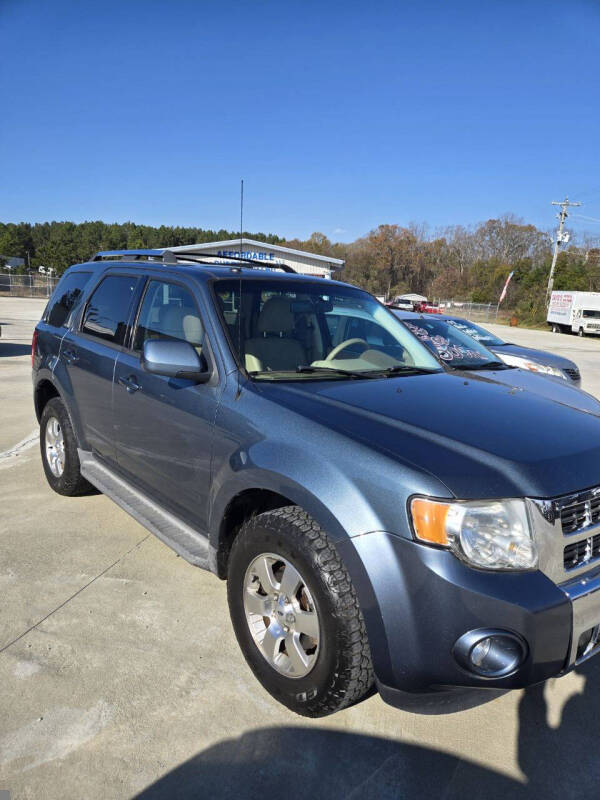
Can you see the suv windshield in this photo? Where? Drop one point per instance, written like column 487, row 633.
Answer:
column 308, row 330
column 476, row 332
column 451, row 344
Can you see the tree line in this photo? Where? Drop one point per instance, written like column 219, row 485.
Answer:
column 467, row 264
column 461, row 263
column 60, row 244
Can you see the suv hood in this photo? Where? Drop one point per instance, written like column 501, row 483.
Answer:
column 553, row 388
column 481, row 438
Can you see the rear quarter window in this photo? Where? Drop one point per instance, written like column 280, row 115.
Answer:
column 66, row 297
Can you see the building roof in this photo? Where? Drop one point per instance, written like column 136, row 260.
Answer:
column 190, row 248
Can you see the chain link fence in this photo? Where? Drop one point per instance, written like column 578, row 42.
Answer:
column 26, row 285
column 477, row 312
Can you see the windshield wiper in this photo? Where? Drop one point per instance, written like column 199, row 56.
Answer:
column 480, row 365
column 400, row 369
column 352, row 374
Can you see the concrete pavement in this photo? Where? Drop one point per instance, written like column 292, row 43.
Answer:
column 120, row 675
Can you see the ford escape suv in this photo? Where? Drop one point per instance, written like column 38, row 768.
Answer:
column 379, row 519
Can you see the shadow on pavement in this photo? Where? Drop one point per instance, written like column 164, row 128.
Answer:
column 12, row 349
column 297, row 762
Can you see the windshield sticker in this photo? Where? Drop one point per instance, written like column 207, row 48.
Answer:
column 443, row 347
column 472, row 332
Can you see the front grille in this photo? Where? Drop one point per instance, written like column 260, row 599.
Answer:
column 573, row 374
column 582, row 552
column 578, row 512
column 581, row 512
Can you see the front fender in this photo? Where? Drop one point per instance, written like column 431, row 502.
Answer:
column 347, row 487
column 264, row 474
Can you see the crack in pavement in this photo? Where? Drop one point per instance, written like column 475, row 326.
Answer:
column 7, row 457
column 68, row 600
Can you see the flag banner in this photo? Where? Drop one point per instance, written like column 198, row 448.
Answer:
column 503, row 295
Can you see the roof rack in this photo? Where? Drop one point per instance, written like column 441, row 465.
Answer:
column 133, row 255
column 167, row 256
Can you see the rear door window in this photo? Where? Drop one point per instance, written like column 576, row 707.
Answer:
column 107, row 313
column 66, row 297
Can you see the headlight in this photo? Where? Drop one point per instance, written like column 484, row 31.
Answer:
column 492, row 534
column 532, row 366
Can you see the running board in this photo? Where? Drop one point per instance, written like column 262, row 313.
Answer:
column 187, row 542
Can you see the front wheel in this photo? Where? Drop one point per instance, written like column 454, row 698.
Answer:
column 580, row 332
column 296, row 615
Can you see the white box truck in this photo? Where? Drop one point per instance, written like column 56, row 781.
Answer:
column 575, row 312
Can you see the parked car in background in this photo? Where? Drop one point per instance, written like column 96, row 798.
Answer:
column 518, row 356
column 430, row 308
column 575, row 312
column 379, row 517
column 460, row 351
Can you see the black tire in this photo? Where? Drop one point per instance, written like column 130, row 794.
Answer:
column 580, row 332
column 342, row 673
column 70, row 482
column 555, row 329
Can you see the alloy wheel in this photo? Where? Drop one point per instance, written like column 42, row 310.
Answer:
column 55, row 447
column 281, row 615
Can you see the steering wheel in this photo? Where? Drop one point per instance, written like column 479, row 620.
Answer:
column 343, row 345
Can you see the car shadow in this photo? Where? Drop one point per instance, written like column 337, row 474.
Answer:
column 302, row 762
column 13, row 349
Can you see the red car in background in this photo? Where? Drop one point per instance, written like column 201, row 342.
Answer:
column 429, row 308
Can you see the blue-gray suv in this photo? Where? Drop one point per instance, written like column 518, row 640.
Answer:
column 379, row 519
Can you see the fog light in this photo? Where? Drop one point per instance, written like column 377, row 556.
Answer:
column 481, row 651
column 490, row 653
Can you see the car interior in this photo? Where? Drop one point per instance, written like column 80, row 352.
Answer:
column 280, row 331
column 169, row 312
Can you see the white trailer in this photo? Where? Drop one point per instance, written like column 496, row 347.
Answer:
column 575, row 312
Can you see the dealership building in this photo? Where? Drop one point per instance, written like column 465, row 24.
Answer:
column 272, row 254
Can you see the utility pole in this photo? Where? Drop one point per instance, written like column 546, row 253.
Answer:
column 561, row 216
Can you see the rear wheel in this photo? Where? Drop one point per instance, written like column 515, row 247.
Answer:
column 555, row 328
column 296, row 615
column 59, row 451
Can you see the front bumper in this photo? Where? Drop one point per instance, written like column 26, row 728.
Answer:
column 418, row 601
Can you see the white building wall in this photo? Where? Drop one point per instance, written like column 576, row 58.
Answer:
column 304, row 264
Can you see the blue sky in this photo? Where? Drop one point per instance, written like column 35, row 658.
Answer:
column 338, row 115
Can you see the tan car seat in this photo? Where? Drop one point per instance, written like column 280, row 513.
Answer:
column 274, row 350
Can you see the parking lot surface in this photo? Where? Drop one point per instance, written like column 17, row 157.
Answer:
column 120, row 676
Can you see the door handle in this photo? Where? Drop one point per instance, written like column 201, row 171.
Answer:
column 130, row 383
column 70, row 356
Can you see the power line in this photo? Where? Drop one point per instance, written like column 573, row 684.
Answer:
column 561, row 216
column 587, row 193
column 589, row 219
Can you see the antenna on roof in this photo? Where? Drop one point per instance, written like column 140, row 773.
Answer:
column 239, row 313
column 241, row 216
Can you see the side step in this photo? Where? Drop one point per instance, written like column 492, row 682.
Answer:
column 190, row 544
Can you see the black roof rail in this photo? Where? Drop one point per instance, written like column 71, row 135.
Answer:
column 167, row 256
column 133, row 255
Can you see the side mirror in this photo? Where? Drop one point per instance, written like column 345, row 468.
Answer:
column 174, row 359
